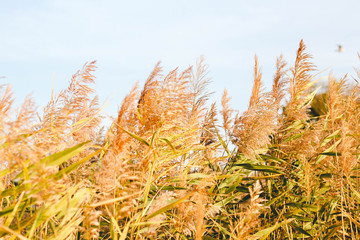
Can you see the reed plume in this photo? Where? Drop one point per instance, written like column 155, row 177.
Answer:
column 252, row 129
column 300, row 81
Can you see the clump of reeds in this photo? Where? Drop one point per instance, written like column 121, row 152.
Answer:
column 167, row 168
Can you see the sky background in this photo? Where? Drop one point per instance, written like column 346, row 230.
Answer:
column 41, row 39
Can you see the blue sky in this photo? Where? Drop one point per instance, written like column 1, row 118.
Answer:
column 40, row 39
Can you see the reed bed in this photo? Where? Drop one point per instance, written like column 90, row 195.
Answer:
column 174, row 166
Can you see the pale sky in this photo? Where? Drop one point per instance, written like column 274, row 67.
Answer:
column 43, row 38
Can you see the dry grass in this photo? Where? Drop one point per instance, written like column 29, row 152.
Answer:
column 167, row 168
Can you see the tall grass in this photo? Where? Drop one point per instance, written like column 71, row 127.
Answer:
column 174, row 166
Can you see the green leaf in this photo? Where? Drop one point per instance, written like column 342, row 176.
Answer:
column 4, row 172
column 74, row 166
column 293, row 137
column 66, row 207
column 123, row 234
column 166, row 188
column 69, row 228
column 333, row 230
column 259, row 168
column 332, row 136
column 331, row 154
column 197, row 175
column 221, row 140
column 134, row 136
column 168, row 143
column 40, row 218
column 168, row 207
column 56, row 159
column 233, row 186
column 330, row 149
column 263, row 234
column 61, row 157
column 225, row 201
column 13, row 191
column 8, row 210
column 275, row 199
column 268, row 157
column 300, row 230
column 10, row 218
